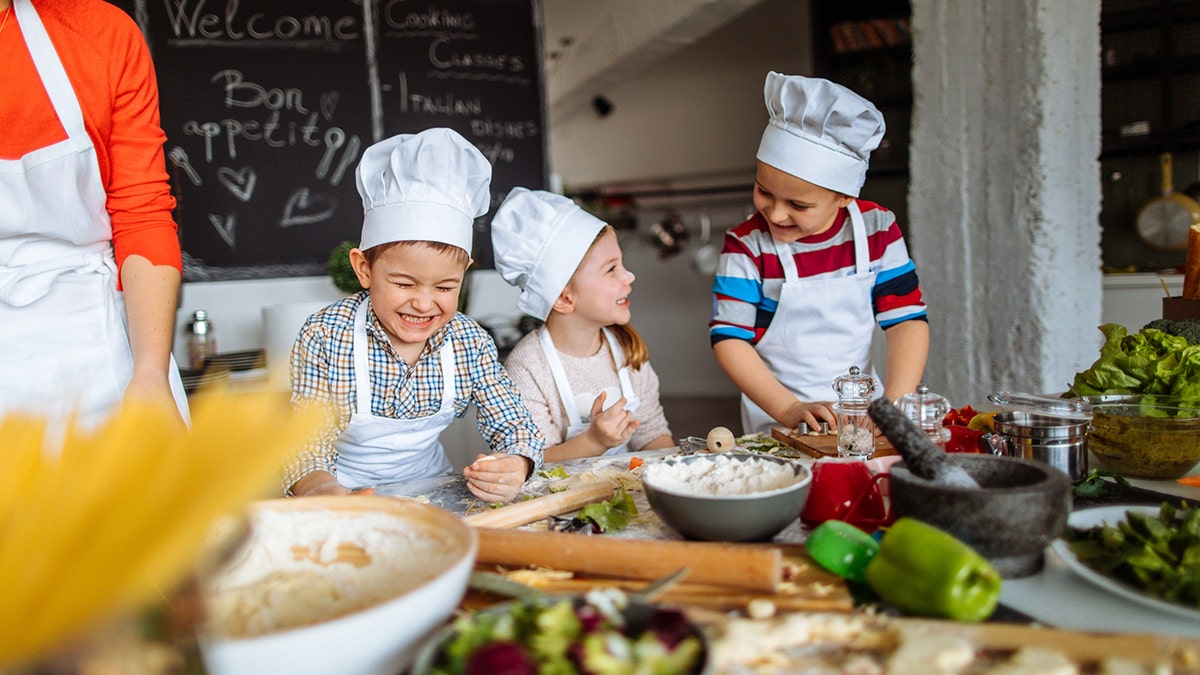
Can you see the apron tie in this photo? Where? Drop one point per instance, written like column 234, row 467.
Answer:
column 25, row 284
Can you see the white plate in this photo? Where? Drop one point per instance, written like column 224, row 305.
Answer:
column 1111, row 515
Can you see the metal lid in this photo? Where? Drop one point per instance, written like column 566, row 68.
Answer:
column 1065, row 408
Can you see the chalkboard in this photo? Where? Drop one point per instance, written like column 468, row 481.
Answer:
column 268, row 105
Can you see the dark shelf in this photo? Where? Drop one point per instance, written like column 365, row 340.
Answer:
column 1124, row 146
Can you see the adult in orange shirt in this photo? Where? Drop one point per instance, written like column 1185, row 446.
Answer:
column 89, row 256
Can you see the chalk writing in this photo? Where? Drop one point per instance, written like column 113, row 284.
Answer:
column 190, row 23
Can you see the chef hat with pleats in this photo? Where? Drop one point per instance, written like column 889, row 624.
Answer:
column 429, row 186
column 538, row 239
column 819, row 131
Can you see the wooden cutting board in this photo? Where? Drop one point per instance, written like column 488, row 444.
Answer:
column 823, row 445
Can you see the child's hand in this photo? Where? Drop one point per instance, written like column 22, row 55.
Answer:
column 496, row 478
column 813, row 413
column 323, row 483
column 611, row 427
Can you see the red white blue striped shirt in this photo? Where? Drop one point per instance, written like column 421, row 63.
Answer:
column 750, row 277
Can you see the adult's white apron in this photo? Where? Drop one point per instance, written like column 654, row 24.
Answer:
column 374, row 450
column 821, row 328
column 573, row 403
column 64, row 342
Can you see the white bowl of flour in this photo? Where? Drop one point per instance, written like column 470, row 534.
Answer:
column 730, row 496
column 345, row 585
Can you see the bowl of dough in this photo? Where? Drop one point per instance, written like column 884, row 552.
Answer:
column 728, row 496
column 346, row 585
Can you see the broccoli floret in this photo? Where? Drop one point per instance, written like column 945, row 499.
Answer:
column 1188, row 329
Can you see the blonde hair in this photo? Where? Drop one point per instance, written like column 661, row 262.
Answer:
column 372, row 254
column 632, row 344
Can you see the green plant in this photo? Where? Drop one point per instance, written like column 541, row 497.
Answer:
column 340, row 270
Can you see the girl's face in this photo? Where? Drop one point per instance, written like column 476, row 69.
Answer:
column 414, row 292
column 601, row 285
column 793, row 207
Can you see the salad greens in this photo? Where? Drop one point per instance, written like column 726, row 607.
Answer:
column 1146, row 362
column 549, row 636
column 1160, row 555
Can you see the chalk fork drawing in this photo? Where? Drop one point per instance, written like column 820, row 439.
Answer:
column 304, row 208
column 240, row 182
column 179, row 158
column 226, row 227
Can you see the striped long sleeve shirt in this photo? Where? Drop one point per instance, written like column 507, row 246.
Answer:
column 750, row 277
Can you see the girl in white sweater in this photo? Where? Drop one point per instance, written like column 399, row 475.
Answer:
column 585, row 375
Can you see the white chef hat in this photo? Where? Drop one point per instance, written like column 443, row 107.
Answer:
column 538, row 240
column 429, row 186
column 819, row 131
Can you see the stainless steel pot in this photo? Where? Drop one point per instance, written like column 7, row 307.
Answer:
column 1057, row 441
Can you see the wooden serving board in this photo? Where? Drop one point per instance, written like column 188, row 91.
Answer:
column 823, row 445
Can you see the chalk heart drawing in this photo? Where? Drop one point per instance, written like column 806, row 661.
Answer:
column 240, row 182
column 329, row 101
column 226, row 227
column 304, row 207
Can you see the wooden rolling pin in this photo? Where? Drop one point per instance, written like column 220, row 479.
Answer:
column 523, row 513
column 747, row 566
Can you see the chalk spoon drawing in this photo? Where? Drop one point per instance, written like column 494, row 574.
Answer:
column 305, row 207
column 226, row 227
column 240, row 182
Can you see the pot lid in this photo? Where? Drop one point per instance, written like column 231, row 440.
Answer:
column 1074, row 409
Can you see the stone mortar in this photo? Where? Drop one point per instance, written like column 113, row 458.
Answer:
column 1020, row 507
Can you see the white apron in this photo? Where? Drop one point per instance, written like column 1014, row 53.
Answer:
column 374, row 450
column 63, row 330
column 820, row 329
column 572, row 403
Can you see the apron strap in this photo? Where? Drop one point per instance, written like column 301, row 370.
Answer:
column 786, row 260
column 560, row 378
column 362, row 370
column 618, row 356
column 54, row 76
column 862, row 258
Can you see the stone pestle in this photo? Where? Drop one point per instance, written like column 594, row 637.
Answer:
column 922, row 456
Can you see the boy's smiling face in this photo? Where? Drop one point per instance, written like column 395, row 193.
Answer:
column 794, row 208
column 414, row 291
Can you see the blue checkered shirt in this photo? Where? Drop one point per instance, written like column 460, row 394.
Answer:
column 322, row 369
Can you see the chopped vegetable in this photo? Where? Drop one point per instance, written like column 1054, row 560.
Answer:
column 1193, row 481
column 842, row 549
column 922, row 570
column 1158, row 554
column 961, row 416
column 1094, row 485
column 635, row 462
column 591, row 635
column 765, row 445
column 611, row 515
column 556, row 472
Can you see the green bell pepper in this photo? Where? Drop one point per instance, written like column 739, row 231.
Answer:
column 842, row 549
column 925, row 571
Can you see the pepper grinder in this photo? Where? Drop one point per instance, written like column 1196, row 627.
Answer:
column 927, row 410
column 201, row 343
column 855, row 391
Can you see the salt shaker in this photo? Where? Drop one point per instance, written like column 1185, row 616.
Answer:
column 927, row 410
column 201, row 343
column 855, row 391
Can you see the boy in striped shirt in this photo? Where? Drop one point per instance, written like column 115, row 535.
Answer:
column 802, row 283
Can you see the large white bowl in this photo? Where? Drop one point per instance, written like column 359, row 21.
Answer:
column 425, row 556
